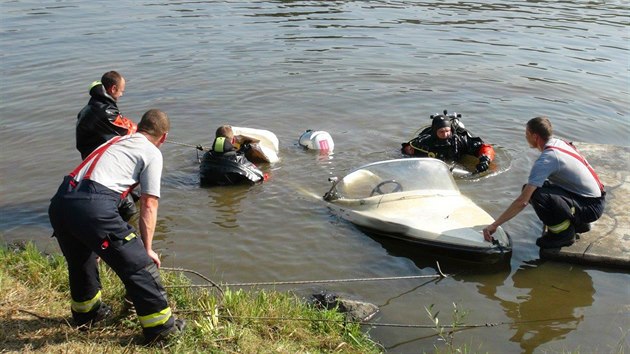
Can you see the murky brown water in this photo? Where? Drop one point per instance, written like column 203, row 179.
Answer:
column 370, row 73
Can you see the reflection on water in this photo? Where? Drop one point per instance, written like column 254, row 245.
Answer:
column 547, row 304
column 440, row 259
column 547, row 300
column 225, row 200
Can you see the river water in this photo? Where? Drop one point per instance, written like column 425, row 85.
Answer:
column 368, row 72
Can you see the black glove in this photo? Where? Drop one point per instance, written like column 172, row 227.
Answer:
column 244, row 148
column 126, row 207
column 484, row 163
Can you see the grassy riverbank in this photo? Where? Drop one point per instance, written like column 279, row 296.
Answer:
column 34, row 310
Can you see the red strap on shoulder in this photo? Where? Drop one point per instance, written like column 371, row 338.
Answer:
column 579, row 157
column 95, row 155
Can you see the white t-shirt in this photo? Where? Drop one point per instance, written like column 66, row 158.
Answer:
column 563, row 170
column 131, row 160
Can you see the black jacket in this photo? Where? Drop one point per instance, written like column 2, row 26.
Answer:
column 460, row 143
column 95, row 122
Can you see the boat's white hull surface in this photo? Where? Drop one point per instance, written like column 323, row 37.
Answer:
column 416, row 200
column 452, row 222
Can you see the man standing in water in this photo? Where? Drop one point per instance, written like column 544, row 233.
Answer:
column 101, row 120
column 87, row 224
column 563, row 188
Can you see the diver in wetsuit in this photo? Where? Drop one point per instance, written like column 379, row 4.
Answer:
column 446, row 139
column 227, row 165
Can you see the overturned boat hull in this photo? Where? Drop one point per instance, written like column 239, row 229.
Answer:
column 380, row 200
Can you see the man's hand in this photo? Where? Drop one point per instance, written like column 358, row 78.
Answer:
column 154, row 256
column 407, row 149
column 488, row 231
column 484, row 163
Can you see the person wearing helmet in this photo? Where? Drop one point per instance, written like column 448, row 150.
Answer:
column 447, row 140
column 227, row 163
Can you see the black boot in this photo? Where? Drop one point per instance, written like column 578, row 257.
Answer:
column 152, row 338
column 84, row 321
column 581, row 228
column 561, row 239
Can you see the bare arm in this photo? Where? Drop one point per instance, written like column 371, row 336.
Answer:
column 516, row 207
column 148, row 220
column 244, row 139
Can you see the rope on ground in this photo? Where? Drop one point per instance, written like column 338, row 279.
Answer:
column 213, row 284
column 372, row 324
column 363, row 323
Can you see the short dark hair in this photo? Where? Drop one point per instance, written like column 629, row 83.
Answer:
column 155, row 123
column 110, row 79
column 224, row 131
column 541, row 126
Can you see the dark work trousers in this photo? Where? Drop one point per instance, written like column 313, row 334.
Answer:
column 86, row 223
column 553, row 206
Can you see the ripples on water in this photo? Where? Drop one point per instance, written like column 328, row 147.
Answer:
column 370, row 73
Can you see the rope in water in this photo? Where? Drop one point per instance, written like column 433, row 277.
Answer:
column 441, row 275
column 213, row 284
column 307, row 281
column 374, row 324
column 249, row 318
column 198, row 147
column 363, row 323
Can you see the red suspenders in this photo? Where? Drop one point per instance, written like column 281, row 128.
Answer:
column 581, row 159
column 96, row 155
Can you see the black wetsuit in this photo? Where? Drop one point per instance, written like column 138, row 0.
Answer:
column 460, row 143
column 228, row 168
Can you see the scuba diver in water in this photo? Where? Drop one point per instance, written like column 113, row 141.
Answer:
column 447, row 139
column 226, row 163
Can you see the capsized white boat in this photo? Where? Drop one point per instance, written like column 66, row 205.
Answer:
column 417, row 200
column 266, row 150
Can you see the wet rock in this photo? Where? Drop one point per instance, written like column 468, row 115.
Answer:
column 356, row 311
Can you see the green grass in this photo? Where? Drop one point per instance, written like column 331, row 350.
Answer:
column 34, row 310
